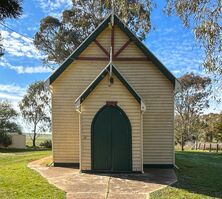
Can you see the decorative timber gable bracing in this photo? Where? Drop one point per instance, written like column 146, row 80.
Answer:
column 100, row 77
column 76, row 55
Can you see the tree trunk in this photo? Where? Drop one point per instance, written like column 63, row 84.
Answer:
column 182, row 147
column 33, row 141
column 182, row 143
column 34, row 136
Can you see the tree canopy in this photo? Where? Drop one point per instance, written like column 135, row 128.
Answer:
column 9, row 9
column 190, row 103
column 212, row 127
column 205, row 19
column 8, row 125
column 57, row 38
column 7, row 116
column 1, row 46
column 35, row 109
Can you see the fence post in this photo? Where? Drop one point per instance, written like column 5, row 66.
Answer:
column 210, row 147
column 217, row 147
column 204, row 146
column 199, row 146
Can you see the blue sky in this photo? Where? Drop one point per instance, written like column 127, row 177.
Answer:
column 21, row 65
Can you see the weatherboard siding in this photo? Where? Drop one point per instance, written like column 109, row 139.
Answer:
column 155, row 89
column 93, row 50
column 157, row 93
column 65, row 119
column 131, row 50
column 96, row 100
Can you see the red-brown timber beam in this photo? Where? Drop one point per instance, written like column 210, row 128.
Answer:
column 114, row 59
column 93, row 58
column 130, row 59
column 102, row 48
column 122, row 48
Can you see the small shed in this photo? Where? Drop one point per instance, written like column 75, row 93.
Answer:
column 112, row 104
column 18, row 141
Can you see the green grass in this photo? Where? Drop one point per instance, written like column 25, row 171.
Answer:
column 40, row 139
column 199, row 177
column 17, row 181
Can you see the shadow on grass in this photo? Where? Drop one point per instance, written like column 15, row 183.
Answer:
column 29, row 149
column 200, row 173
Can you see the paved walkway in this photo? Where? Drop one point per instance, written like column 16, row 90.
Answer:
column 104, row 186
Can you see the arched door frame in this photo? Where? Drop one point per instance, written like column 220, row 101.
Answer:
column 92, row 127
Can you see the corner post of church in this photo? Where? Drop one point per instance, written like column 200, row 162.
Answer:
column 141, row 140
column 80, row 142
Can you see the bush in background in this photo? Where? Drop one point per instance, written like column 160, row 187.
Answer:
column 46, row 144
column 8, row 118
column 5, row 139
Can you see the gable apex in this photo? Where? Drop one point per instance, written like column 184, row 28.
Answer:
column 92, row 37
column 100, row 77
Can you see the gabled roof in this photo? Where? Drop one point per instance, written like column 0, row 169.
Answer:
column 100, row 77
column 93, row 36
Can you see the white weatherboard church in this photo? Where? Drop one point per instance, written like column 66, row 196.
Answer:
column 113, row 104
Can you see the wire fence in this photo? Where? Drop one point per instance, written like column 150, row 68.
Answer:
column 208, row 146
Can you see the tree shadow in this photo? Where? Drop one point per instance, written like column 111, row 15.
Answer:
column 151, row 175
column 12, row 150
column 199, row 173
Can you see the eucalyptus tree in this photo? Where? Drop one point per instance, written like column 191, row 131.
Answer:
column 190, row 102
column 204, row 17
column 57, row 38
column 218, row 129
column 35, row 109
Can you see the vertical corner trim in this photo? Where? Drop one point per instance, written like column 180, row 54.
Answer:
column 143, row 106
column 78, row 106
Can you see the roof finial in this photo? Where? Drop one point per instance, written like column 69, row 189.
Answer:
column 112, row 12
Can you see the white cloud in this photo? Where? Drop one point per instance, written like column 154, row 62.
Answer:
column 15, row 35
column 37, row 69
column 17, row 45
column 54, row 7
column 25, row 69
column 178, row 55
column 10, row 97
column 12, row 93
column 11, row 88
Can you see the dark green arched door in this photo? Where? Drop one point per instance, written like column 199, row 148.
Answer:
column 111, row 141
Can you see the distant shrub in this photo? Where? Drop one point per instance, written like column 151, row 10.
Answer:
column 46, row 144
column 5, row 139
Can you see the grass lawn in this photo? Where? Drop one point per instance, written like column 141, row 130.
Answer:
column 17, row 181
column 199, row 177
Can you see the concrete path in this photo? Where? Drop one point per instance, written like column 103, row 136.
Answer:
column 104, row 186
